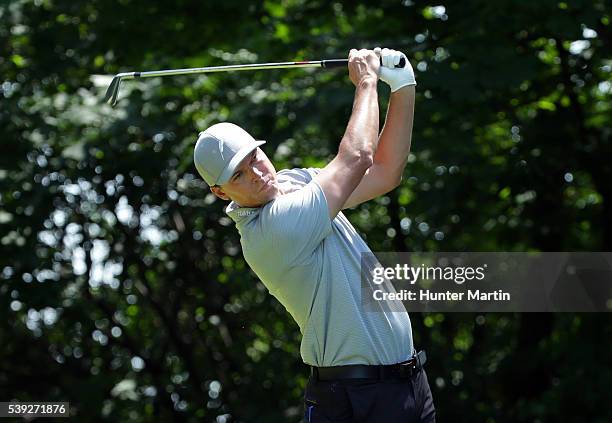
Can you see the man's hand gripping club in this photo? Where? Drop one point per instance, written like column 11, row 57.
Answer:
column 396, row 78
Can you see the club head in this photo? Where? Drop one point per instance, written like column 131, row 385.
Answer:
column 113, row 91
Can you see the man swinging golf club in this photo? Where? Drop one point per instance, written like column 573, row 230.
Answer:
column 364, row 367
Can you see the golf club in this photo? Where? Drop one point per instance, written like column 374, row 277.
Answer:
column 113, row 89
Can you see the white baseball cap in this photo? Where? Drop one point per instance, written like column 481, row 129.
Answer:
column 220, row 149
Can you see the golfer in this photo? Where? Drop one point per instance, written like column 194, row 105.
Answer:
column 363, row 365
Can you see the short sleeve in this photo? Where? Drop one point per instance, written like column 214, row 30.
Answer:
column 296, row 223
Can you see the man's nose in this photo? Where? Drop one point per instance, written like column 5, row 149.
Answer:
column 257, row 174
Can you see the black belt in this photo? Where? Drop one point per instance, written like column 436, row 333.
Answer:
column 401, row 370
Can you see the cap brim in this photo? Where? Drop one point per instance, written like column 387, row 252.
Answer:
column 233, row 164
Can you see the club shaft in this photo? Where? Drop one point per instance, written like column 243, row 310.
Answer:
column 211, row 69
column 113, row 90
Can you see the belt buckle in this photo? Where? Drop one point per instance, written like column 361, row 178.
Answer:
column 407, row 369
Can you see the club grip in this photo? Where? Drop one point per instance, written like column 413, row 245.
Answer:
column 340, row 63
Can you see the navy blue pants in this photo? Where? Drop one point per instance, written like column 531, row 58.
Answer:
column 405, row 400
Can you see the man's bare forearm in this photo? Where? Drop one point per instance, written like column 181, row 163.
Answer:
column 355, row 154
column 361, row 135
column 395, row 139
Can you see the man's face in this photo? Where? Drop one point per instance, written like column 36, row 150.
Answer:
column 253, row 183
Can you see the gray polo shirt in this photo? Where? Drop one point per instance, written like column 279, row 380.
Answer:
column 312, row 266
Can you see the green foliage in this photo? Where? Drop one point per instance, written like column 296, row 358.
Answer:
column 123, row 289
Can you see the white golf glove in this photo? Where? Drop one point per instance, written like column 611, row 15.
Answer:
column 396, row 78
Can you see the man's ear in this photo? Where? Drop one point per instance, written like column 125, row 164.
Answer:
column 216, row 189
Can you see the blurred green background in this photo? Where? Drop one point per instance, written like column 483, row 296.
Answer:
column 123, row 289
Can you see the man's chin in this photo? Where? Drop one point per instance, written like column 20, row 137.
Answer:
column 265, row 197
column 272, row 193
